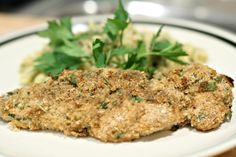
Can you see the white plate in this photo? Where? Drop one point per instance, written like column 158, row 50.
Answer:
column 221, row 48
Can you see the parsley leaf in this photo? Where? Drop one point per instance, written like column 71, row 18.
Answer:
column 121, row 13
column 54, row 63
column 169, row 50
column 134, row 60
column 99, row 56
column 166, row 49
column 57, row 32
column 120, row 51
column 131, row 61
column 115, row 27
column 65, row 51
column 136, row 99
column 71, row 49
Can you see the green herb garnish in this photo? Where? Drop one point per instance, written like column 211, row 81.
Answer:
column 137, row 99
column 119, row 135
column 207, row 86
column 201, row 116
column 211, row 86
column 219, row 78
column 103, row 105
column 72, row 80
column 115, row 27
column 58, row 32
column 98, row 54
column 228, row 115
column 66, row 51
column 53, row 63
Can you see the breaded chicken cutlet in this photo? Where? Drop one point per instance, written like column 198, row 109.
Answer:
column 121, row 105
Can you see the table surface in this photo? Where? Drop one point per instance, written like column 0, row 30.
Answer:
column 11, row 23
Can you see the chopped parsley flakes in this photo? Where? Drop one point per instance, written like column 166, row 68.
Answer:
column 72, row 80
column 119, row 135
column 211, row 86
column 137, row 99
column 103, row 105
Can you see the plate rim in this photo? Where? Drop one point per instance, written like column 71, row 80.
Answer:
column 217, row 32
column 200, row 27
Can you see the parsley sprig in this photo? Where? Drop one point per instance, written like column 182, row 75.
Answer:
column 116, row 26
column 58, row 32
column 98, row 54
column 65, row 51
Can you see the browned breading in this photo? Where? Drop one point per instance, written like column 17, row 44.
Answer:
column 121, row 105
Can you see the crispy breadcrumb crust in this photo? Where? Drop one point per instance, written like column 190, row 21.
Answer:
column 121, row 105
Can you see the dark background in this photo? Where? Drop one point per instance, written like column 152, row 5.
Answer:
column 221, row 13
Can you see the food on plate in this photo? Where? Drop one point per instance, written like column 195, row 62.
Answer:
column 118, row 105
column 116, row 83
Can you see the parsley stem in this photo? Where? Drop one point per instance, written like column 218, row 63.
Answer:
column 121, row 38
column 155, row 37
column 149, row 54
column 108, row 57
column 168, row 48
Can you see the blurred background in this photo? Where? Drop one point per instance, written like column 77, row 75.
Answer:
column 217, row 12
